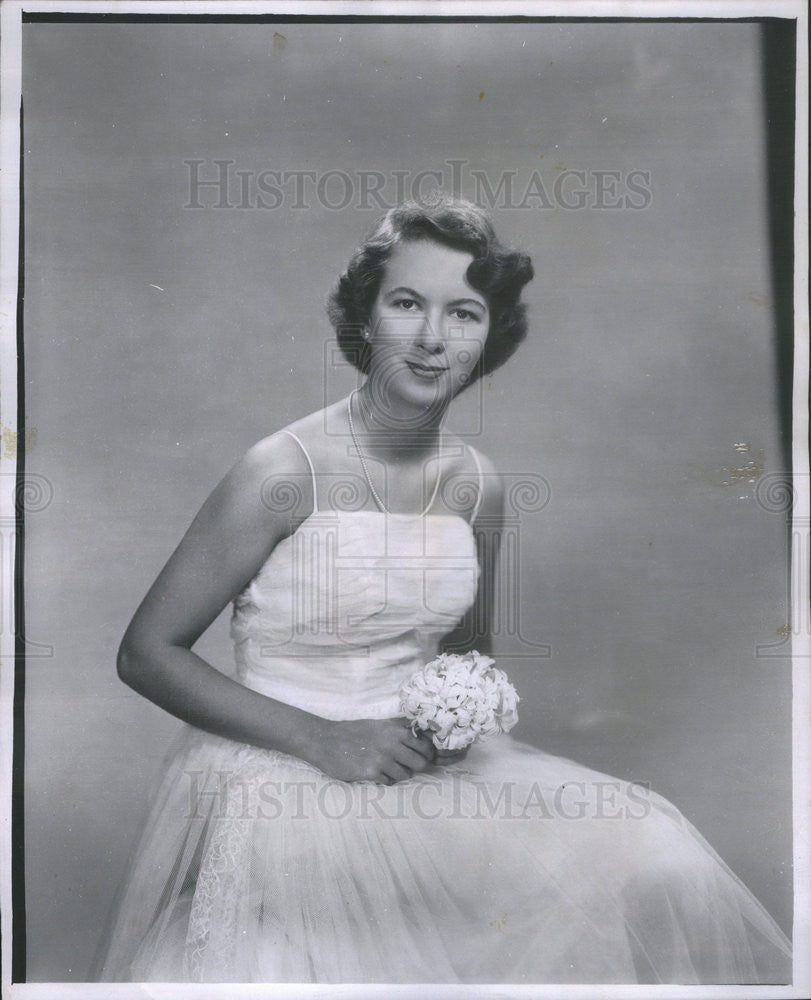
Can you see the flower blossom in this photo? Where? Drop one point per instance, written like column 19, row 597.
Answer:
column 460, row 699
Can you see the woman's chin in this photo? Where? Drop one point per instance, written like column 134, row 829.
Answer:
column 404, row 394
column 426, row 402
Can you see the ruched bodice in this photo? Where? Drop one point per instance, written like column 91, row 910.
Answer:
column 350, row 605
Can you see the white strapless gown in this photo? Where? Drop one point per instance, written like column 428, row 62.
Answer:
column 512, row 866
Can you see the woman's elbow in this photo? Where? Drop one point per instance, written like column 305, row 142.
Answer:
column 134, row 662
column 127, row 661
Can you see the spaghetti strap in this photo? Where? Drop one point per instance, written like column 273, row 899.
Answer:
column 299, row 442
column 475, row 455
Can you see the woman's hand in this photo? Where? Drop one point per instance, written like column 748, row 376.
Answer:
column 381, row 750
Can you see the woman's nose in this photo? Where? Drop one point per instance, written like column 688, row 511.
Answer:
column 430, row 336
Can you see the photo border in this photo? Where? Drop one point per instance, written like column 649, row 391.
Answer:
column 14, row 497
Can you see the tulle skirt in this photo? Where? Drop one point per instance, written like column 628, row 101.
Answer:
column 512, row 866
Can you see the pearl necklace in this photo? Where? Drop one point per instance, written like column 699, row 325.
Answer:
column 365, row 468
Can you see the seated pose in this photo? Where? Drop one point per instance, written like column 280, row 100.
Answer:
column 303, row 832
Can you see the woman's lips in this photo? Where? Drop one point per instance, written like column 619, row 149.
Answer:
column 426, row 371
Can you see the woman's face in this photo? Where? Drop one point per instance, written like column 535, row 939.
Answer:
column 427, row 326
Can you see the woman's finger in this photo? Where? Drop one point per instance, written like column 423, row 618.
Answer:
column 422, row 744
column 396, row 771
column 411, row 759
column 451, row 757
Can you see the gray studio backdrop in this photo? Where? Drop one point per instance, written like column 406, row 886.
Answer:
column 162, row 339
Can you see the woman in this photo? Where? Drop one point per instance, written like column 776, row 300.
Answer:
column 304, row 833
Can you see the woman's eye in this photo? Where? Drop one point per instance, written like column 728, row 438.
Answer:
column 463, row 314
column 409, row 305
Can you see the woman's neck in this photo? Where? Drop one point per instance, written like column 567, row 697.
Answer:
column 398, row 430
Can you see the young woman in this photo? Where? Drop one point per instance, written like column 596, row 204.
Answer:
column 304, row 833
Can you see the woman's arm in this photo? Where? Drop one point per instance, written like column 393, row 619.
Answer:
column 475, row 631
column 227, row 543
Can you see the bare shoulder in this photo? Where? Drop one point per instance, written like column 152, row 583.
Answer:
column 279, row 452
column 271, row 479
column 489, row 471
column 492, row 498
column 476, row 468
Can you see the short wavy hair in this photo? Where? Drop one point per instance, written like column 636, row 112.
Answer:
column 496, row 271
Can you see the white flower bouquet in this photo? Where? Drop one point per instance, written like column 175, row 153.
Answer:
column 459, row 699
